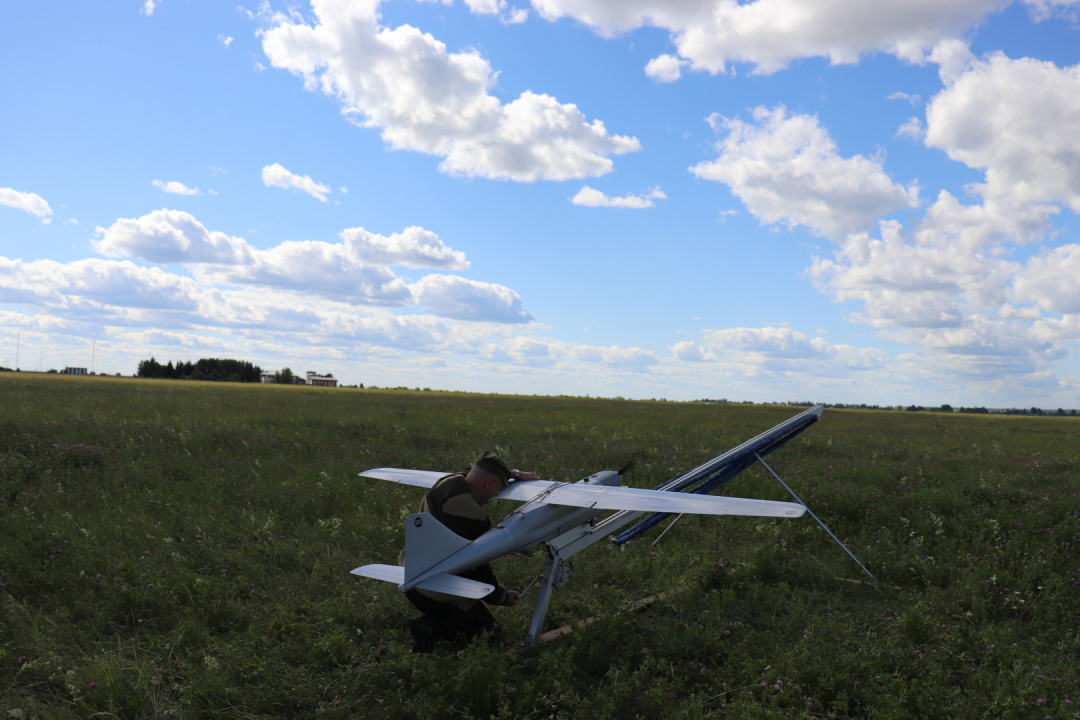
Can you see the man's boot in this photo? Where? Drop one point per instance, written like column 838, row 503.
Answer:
column 423, row 639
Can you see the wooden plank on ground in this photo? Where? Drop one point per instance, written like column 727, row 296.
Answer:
column 633, row 606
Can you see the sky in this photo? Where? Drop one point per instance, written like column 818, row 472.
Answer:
column 774, row 200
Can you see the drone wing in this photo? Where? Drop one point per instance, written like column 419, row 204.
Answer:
column 606, row 497
column 427, row 478
column 419, row 478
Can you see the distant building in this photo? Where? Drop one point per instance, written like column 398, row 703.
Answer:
column 312, row 378
column 73, row 371
column 319, row 380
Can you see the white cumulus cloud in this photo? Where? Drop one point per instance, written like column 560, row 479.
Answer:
column 786, row 169
column 1019, row 120
column 427, row 99
column 911, row 128
column 711, row 34
column 355, row 271
column 27, row 202
column 913, row 99
column 175, row 188
column 778, row 350
column 507, row 14
column 665, row 68
column 413, row 247
column 929, row 280
column 1051, row 280
column 313, row 268
column 170, row 237
column 590, row 197
column 277, row 176
column 84, row 286
column 463, row 299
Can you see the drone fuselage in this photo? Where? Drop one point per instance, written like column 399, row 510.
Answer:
column 529, row 525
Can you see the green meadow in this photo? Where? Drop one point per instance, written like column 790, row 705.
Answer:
column 182, row 549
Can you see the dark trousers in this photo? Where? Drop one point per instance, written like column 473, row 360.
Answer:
column 453, row 623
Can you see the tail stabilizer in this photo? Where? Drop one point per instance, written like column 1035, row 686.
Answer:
column 389, row 573
column 427, row 543
column 440, row 582
column 454, row 585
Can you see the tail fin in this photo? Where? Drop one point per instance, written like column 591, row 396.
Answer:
column 427, row 543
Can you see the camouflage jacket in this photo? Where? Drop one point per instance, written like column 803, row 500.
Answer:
column 450, row 503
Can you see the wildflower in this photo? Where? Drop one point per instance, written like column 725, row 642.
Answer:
column 150, row 586
column 22, row 659
column 92, row 685
column 460, row 654
column 562, row 697
column 702, row 671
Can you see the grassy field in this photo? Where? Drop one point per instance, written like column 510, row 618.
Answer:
column 183, row 549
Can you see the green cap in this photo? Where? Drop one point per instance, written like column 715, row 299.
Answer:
column 492, row 463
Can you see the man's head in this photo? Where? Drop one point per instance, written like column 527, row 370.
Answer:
column 487, row 476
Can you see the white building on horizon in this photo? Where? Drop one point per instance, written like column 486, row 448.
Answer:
column 312, row 378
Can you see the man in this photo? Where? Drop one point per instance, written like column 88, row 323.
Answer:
column 457, row 502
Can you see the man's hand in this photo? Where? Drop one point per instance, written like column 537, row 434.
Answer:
column 511, row 598
column 522, row 475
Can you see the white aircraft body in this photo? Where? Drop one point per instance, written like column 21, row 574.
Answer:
column 562, row 515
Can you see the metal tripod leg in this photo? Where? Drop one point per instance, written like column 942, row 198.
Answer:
column 543, row 596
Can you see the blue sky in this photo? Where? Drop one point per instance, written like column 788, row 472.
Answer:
column 770, row 201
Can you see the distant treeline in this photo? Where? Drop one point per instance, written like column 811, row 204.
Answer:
column 218, row 369
column 984, row 411
column 1060, row 412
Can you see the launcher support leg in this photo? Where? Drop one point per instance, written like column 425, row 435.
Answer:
column 543, row 597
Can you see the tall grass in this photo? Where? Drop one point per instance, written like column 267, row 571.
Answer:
column 182, row 549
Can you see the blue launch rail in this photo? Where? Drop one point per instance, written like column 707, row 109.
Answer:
column 707, row 477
